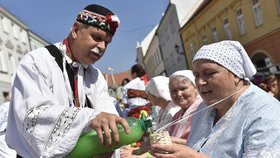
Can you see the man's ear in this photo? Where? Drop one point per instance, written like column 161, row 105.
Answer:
column 74, row 30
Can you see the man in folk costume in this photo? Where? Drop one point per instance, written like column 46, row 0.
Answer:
column 57, row 94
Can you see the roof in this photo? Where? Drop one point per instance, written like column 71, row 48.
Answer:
column 147, row 40
column 185, row 9
column 118, row 77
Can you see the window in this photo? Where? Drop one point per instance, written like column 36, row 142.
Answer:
column 23, row 36
column 257, row 12
column 18, row 60
column 12, row 62
column 227, row 29
column 154, row 64
column 214, row 34
column 150, row 62
column 278, row 6
column 240, row 21
column 6, row 96
column 158, row 56
column 1, row 60
column 1, row 22
column 204, row 38
column 15, row 31
column 155, row 60
column 192, row 51
column 3, row 66
column 4, row 24
column 268, row 61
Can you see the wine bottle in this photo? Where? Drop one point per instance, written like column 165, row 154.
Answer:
column 89, row 145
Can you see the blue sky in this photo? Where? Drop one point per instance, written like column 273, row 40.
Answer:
column 52, row 20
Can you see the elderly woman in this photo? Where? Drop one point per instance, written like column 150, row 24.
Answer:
column 237, row 119
column 184, row 94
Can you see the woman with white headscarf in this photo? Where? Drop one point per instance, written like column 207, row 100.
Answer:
column 237, row 119
column 184, row 94
column 159, row 95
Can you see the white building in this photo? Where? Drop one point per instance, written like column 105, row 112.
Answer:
column 36, row 41
column 166, row 40
column 15, row 41
column 169, row 38
column 153, row 56
column 149, row 54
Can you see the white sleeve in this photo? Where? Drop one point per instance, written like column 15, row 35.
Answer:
column 99, row 95
column 44, row 127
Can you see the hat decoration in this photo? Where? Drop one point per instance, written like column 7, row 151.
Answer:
column 109, row 23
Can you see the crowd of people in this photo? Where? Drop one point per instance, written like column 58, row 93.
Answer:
column 271, row 84
column 222, row 113
column 213, row 110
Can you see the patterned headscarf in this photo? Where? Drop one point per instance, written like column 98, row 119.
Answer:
column 229, row 54
column 99, row 16
column 158, row 86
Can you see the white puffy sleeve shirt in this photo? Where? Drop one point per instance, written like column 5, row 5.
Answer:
column 41, row 122
column 136, row 84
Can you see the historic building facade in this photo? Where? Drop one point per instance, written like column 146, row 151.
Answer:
column 255, row 23
column 15, row 41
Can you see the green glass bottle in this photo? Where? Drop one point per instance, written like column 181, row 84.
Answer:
column 88, row 144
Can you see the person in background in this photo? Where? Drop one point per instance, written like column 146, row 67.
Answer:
column 236, row 118
column 134, row 92
column 125, row 81
column 273, row 86
column 263, row 86
column 158, row 95
column 57, row 95
column 184, row 94
column 120, row 106
column 5, row 151
column 120, row 90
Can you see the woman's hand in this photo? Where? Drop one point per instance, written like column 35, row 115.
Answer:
column 177, row 140
column 127, row 152
column 175, row 151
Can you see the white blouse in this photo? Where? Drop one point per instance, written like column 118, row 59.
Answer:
column 165, row 115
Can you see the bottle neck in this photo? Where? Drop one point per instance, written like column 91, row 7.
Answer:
column 145, row 124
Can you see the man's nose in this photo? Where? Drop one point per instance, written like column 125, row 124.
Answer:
column 101, row 45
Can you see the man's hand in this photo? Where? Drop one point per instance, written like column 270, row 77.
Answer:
column 106, row 123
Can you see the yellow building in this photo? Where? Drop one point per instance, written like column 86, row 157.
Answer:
column 255, row 23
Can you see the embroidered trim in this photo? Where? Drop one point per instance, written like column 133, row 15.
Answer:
column 108, row 23
column 30, row 120
column 133, row 93
column 62, row 126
